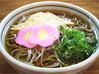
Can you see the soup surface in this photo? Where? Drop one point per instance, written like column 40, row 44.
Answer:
column 50, row 39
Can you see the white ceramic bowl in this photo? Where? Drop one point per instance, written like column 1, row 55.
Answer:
column 34, row 7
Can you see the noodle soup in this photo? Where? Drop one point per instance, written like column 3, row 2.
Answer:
column 73, row 42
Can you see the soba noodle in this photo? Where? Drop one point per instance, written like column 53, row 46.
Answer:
column 38, row 56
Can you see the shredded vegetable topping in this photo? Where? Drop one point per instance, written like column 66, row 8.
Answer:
column 73, row 46
column 42, row 18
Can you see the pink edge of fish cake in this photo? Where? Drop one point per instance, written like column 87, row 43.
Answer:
column 53, row 34
column 20, row 38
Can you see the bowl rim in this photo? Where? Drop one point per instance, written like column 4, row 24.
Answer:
column 40, row 69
